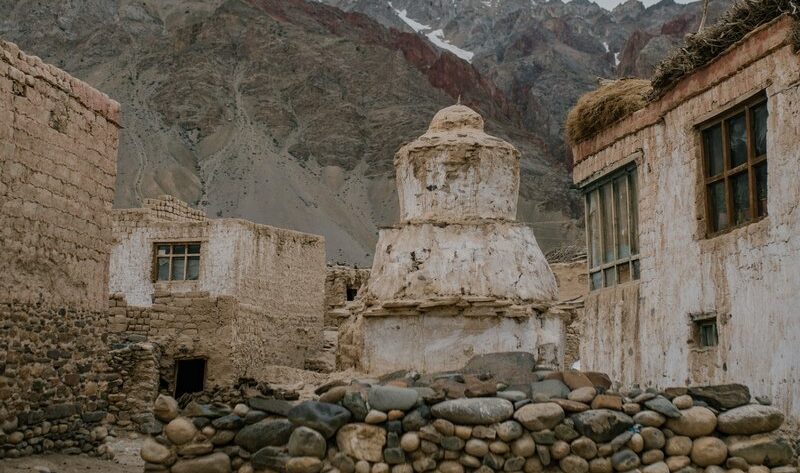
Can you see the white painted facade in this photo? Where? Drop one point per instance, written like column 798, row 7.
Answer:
column 641, row 332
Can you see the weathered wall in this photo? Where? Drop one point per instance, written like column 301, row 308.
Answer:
column 573, row 285
column 58, row 145
column 750, row 276
column 58, row 151
column 273, row 278
column 337, row 280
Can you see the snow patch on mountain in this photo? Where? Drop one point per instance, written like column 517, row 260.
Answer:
column 435, row 36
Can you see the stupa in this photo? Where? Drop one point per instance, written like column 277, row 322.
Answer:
column 457, row 275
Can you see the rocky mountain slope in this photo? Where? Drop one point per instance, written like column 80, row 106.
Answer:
column 289, row 112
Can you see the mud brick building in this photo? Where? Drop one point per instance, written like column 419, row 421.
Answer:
column 693, row 216
column 221, row 297
column 58, row 148
column 341, row 286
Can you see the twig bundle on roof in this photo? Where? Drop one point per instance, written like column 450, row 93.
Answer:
column 735, row 24
column 600, row 108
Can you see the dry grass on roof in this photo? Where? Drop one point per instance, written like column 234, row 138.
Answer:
column 598, row 109
column 735, row 24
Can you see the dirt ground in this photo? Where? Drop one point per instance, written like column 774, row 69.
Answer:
column 126, row 460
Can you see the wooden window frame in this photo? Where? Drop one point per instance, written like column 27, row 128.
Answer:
column 172, row 256
column 631, row 173
column 728, row 173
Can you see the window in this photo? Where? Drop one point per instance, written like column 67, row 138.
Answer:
column 705, row 330
column 735, row 167
column 611, row 227
column 189, row 376
column 177, row 261
column 352, row 292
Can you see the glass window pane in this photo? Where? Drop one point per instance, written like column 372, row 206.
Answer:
column 610, row 276
column 163, row 249
column 621, row 219
column 178, row 249
column 597, row 280
column 712, row 144
column 759, row 121
column 594, row 228
column 194, row 249
column 635, row 267
column 163, row 269
column 624, row 272
column 193, row 268
column 737, row 139
column 607, row 202
column 761, row 189
column 740, row 189
column 634, row 212
column 717, row 206
column 177, row 269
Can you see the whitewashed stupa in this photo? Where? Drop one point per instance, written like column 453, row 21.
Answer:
column 458, row 275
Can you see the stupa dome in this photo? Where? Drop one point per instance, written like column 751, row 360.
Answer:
column 456, row 117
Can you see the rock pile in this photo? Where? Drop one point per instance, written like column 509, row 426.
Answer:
column 568, row 421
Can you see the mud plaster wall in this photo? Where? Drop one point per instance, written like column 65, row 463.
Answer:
column 573, row 285
column 274, row 279
column 750, row 277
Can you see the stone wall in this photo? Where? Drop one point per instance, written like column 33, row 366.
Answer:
column 338, row 280
column 749, row 277
column 569, row 422
column 58, row 145
column 573, row 285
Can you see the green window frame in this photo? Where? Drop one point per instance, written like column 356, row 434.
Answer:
column 612, row 236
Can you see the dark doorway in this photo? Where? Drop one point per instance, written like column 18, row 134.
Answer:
column 190, row 376
column 351, row 293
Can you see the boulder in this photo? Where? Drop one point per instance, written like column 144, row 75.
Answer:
column 154, row 452
column 575, row 379
column 303, row 465
column 724, row 396
column 694, row 422
column 264, row 433
column 355, row 403
column 550, row 388
column 165, row 408
column 625, row 460
column 362, row 441
column 215, row 463
column 386, row 398
column 663, row 406
column 649, row 418
column 584, row 395
column 272, row 458
column 541, row 416
column 707, row 451
column 750, row 419
column 601, row 425
column 180, row 430
column 323, row 417
column 305, row 442
column 573, row 464
column 476, row 410
column 760, row 450
column 600, row 380
column 272, row 406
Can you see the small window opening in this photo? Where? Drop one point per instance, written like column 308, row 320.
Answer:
column 189, row 376
column 352, row 292
column 705, row 330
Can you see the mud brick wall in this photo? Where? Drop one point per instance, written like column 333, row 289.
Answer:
column 58, row 146
column 337, row 281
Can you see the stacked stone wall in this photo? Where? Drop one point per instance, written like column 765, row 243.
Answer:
column 569, row 422
column 168, row 208
column 58, row 145
column 337, row 281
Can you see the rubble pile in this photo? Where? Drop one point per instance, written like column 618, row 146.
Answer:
column 457, row 422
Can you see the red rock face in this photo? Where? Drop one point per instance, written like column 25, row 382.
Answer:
column 633, row 48
column 445, row 71
column 680, row 25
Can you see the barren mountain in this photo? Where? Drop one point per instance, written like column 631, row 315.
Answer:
column 282, row 112
column 289, row 112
